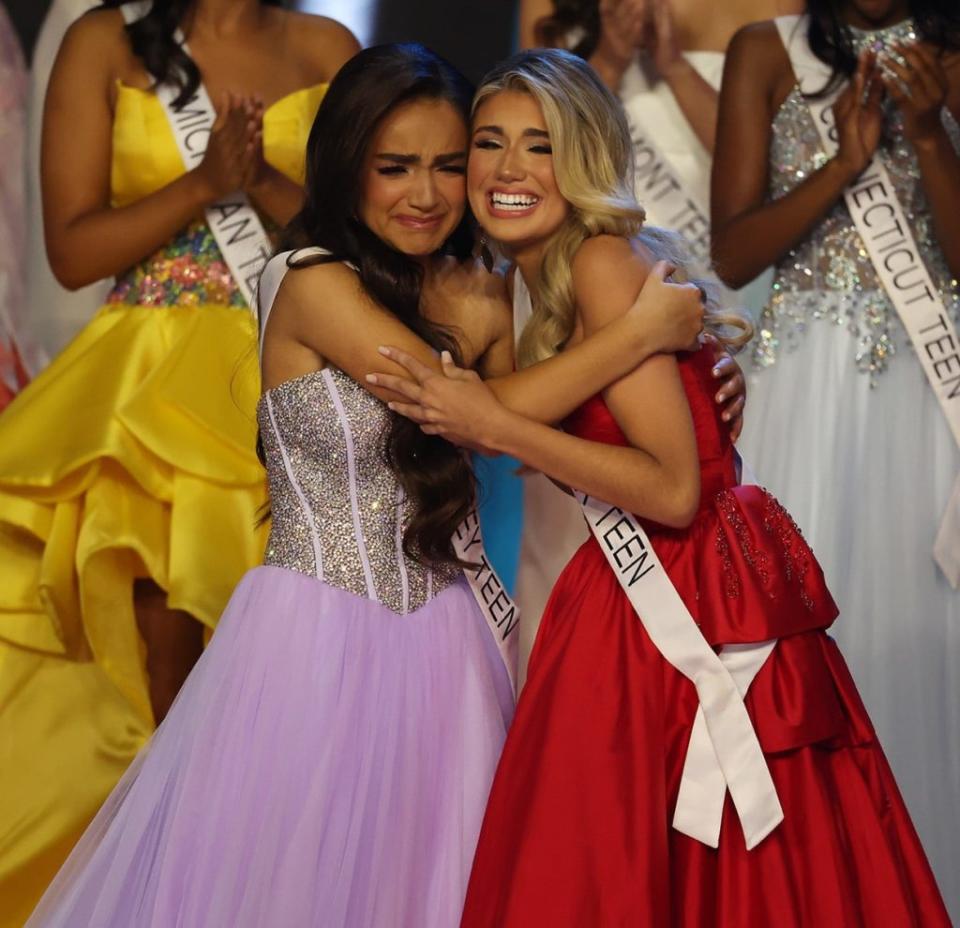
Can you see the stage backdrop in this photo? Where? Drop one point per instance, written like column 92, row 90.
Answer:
column 473, row 35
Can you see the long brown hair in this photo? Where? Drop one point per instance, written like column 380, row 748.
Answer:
column 436, row 476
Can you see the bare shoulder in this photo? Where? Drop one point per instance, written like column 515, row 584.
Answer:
column 490, row 286
column 464, row 295
column 609, row 261
column 324, row 42
column 98, row 36
column 494, row 299
column 334, row 286
column 756, row 59
column 758, row 47
column 760, row 38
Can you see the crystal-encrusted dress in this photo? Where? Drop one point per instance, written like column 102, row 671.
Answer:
column 328, row 761
column 843, row 427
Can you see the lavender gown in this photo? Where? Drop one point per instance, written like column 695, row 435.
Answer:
column 327, row 762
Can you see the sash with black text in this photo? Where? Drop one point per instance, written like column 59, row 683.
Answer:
column 886, row 235
column 234, row 222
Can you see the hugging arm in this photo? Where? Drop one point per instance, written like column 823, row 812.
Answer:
column 656, row 477
column 665, row 317
column 662, row 317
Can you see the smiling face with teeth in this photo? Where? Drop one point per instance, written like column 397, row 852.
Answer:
column 510, row 176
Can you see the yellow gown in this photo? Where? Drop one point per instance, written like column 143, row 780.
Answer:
column 131, row 455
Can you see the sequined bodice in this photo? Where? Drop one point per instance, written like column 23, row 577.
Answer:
column 189, row 270
column 829, row 275
column 337, row 509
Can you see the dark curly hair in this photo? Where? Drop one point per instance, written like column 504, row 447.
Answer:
column 937, row 22
column 436, row 476
column 152, row 40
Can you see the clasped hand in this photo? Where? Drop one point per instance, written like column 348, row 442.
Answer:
column 234, row 156
column 915, row 79
column 455, row 404
column 627, row 26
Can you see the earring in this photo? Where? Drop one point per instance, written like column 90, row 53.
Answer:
column 486, row 255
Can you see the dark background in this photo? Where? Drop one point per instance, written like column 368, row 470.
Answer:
column 473, row 34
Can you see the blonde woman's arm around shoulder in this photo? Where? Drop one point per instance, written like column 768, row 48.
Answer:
column 657, row 476
column 662, row 316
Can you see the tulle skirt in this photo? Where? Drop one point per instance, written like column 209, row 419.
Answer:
column 326, row 764
column 867, row 473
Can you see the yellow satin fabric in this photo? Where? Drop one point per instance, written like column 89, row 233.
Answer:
column 138, row 169
column 131, row 456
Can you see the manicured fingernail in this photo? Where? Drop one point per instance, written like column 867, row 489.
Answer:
column 726, row 417
column 391, row 406
column 721, row 396
column 372, row 378
column 384, row 351
column 716, row 372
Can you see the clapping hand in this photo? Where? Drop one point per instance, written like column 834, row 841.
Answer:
column 858, row 115
column 622, row 27
column 917, row 82
column 234, row 156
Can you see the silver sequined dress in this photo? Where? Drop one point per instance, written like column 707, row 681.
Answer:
column 328, row 761
column 843, row 428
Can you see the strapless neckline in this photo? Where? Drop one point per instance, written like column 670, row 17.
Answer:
column 294, row 94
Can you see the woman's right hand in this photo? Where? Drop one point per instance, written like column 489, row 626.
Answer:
column 859, row 117
column 232, row 151
column 622, row 28
column 671, row 314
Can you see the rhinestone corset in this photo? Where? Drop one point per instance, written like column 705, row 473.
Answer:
column 338, row 511
column 829, row 275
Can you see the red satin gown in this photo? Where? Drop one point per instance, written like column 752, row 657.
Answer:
column 577, row 832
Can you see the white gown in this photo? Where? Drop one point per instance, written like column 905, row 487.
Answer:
column 553, row 527
column 865, row 462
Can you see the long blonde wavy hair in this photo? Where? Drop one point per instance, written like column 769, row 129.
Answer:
column 593, row 166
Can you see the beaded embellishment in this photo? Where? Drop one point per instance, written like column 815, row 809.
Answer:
column 829, row 277
column 794, row 560
column 188, row 271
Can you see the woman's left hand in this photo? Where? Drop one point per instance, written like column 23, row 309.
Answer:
column 455, row 404
column 918, row 86
column 662, row 40
column 732, row 394
column 256, row 164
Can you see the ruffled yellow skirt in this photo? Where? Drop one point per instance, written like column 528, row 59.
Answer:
column 131, row 456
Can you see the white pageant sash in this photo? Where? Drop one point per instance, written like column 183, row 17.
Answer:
column 660, row 186
column 234, row 222
column 885, row 232
column 661, row 192
column 724, row 752
column 500, row 611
